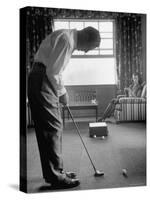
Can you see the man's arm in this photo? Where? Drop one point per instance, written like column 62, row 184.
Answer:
column 58, row 56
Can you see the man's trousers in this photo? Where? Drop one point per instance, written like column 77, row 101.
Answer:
column 45, row 110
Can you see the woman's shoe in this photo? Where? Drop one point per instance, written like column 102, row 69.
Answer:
column 65, row 183
column 101, row 119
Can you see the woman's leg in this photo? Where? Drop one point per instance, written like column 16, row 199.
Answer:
column 109, row 110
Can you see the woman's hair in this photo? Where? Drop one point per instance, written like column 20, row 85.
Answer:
column 139, row 76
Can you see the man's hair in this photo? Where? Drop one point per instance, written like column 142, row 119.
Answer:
column 91, row 34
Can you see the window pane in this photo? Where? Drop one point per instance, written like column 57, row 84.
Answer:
column 106, row 26
column 106, row 35
column 93, row 24
column 106, row 44
column 93, row 52
column 106, row 31
column 106, row 52
column 77, row 25
column 87, row 71
column 78, row 52
column 61, row 25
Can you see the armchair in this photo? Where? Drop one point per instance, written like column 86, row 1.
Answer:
column 131, row 108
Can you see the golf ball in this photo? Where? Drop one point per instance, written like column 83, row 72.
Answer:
column 103, row 137
column 94, row 136
column 124, row 172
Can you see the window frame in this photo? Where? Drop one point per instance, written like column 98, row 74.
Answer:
column 93, row 20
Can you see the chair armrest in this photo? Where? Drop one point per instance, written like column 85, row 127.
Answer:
column 132, row 100
column 120, row 96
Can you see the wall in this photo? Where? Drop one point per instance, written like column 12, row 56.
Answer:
column 144, row 46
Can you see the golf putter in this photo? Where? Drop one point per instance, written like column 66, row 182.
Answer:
column 97, row 172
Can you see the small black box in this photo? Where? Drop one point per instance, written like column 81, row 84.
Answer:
column 98, row 129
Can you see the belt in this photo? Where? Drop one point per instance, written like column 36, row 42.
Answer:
column 38, row 67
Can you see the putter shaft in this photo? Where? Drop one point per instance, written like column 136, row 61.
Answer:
column 81, row 139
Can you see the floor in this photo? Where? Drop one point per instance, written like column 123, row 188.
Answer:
column 123, row 148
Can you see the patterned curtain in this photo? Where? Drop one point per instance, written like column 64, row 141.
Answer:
column 39, row 24
column 128, row 48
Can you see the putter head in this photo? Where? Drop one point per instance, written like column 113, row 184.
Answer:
column 98, row 173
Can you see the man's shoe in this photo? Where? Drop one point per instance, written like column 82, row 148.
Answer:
column 71, row 175
column 66, row 183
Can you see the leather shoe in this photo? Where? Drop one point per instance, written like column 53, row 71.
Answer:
column 65, row 183
column 71, row 175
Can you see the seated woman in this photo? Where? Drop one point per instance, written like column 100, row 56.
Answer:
column 134, row 90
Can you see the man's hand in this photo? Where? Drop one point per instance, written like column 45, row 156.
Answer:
column 64, row 99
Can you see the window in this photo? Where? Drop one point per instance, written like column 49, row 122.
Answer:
column 96, row 66
column 105, row 28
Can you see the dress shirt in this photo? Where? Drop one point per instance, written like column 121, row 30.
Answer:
column 55, row 52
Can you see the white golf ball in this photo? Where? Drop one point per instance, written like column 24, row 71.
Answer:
column 94, row 136
column 124, row 172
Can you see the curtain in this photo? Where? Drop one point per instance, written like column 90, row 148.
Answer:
column 39, row 24
column 128, row 48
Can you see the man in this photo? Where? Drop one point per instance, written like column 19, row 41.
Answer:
column 46, row 90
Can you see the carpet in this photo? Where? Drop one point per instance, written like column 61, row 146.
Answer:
column 125, row 147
